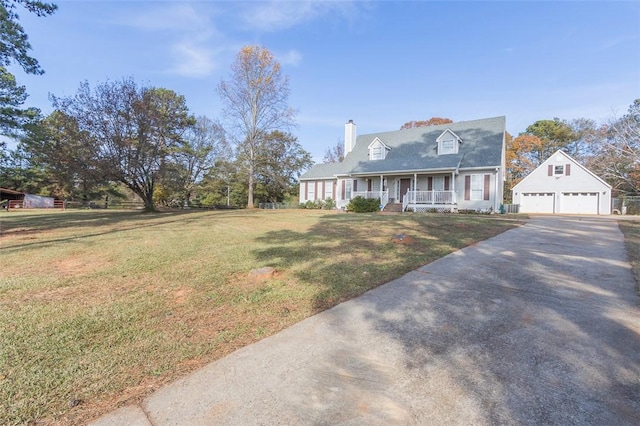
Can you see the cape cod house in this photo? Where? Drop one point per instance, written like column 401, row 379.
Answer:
column 449, row 167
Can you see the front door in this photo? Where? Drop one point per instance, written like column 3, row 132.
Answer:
column 405, row 184
column 438, row 183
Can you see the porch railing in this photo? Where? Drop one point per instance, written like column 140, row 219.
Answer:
column 431, row 197
column 384, row 200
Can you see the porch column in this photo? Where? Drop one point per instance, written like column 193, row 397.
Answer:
column 452, row 187
column 415, row 186
column 381, row 190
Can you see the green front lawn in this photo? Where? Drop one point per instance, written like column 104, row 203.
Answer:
column 99, row 308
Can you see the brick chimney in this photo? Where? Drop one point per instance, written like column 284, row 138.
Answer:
column 349, row 136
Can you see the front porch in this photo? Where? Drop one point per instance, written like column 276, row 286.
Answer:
column 424, row 201
column 415, row 192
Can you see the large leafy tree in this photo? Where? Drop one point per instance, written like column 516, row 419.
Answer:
column 551, row 135
column 540, row 140
column 282, row 160
column 13, row 117
column 131, row 131
column 203, row 144
column 14, row 42
column 14, row 48
column 58, row 147
column 255, row 103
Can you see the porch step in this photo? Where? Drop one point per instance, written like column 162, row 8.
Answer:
column 393, row 207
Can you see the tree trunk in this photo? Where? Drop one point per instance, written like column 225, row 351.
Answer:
column 250, row 191
column 149, row 206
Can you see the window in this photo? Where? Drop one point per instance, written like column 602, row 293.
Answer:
column 328, row 189
column 558, row 170
column 377, row 150
column 448, row 143
column 311, row 191
column 376, row 153
column 348, row 184
column 447, row 147
column 477, row 187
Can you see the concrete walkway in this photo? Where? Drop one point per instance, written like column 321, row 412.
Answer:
column 539, row 325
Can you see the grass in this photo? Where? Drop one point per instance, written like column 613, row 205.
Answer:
column 631, row 231
column 98, row 309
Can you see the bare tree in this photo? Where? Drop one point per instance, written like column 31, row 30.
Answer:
column 334, row 154
column 256, row 103
column 617, row 159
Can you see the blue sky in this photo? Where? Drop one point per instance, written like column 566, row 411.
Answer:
column 378, row 63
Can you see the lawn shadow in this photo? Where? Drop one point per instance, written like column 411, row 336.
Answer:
column 530, row 329
column 346, row 255
column 102, row 222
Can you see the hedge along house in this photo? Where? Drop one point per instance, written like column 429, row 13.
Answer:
column 562, row 185
column 449, row 167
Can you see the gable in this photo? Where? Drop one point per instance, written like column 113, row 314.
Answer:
column 560, row 172
column 378, row 150
column 448, row 143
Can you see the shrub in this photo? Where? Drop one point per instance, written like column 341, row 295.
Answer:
column 364, row 205
column 317, row 205
column 329, row 204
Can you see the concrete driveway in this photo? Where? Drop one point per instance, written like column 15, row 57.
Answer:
column 539, row 325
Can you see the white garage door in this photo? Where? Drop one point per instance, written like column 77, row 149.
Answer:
column 579, row 202
column 536, row 202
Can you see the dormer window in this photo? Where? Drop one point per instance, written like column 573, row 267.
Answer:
column 448, row 143
column 378, row 150
column 447, row 146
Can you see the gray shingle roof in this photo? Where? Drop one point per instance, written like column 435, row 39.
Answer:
column 416, row 150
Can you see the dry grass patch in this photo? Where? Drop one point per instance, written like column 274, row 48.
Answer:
column 631, row 231
column 98, row 309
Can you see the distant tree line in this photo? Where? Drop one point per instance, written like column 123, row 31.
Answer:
column 119, row 137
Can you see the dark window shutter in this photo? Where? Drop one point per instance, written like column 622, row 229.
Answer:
column 344, row 189
column 355, row 185
column 306, row 190
column 315, row 192
column 322, row 194
column 487, row 184
column 446, row 183
column 467, row 187
column 550, row 168
column 567, row 170
column 429, row 183
column 369, row 182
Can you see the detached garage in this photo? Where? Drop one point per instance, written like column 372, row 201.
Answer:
column 562, row 185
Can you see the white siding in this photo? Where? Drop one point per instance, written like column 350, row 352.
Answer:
column 578, row 181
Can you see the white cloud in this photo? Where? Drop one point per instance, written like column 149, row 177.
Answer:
column 281, row 15
column 614, row 42
column 192, row 60
column 292, row 57
column 179, row 17
column 192, row 29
